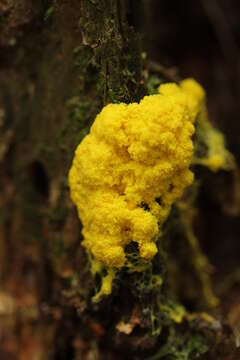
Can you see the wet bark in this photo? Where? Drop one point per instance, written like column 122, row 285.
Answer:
column 60, row 62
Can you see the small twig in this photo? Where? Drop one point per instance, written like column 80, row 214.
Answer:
column 168, row 73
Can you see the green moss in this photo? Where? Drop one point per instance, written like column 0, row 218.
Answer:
column 116, row 50
column 50, row 10
column 87, row 69
column 181, row 346
column 81, row 107
column 81, row 112
column 153, row 82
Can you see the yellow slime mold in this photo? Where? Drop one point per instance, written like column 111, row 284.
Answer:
column 129, row 170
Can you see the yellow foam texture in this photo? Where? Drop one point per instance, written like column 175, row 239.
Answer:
column 130, row 169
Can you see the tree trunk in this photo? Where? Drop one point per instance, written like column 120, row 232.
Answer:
column 61, row 61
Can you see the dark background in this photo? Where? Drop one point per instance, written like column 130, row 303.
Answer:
column 202, row 40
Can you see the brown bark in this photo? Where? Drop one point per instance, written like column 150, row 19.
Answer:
column 60, row 62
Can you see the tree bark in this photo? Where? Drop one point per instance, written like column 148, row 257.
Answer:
column 61, row 61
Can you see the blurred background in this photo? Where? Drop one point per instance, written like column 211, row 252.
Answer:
column 201, row 39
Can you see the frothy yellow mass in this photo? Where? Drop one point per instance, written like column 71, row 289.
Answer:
column 131, row 168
